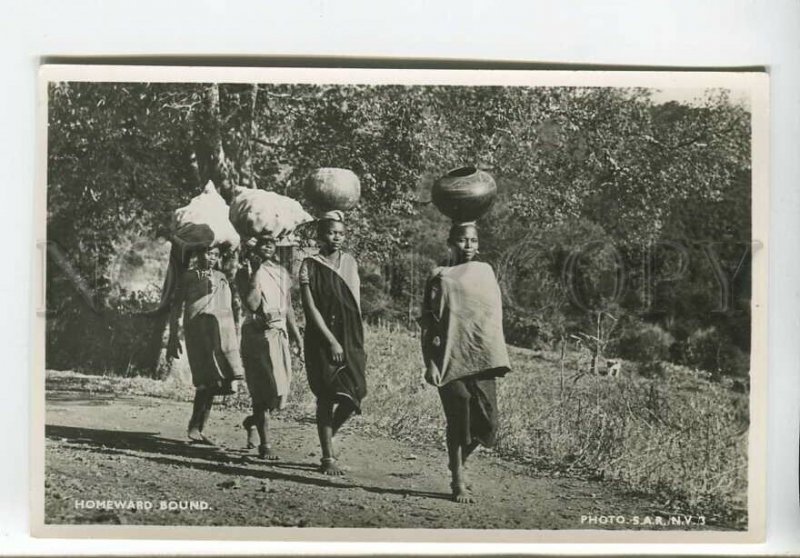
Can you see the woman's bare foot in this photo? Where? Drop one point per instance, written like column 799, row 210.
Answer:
column 330, row 467
column 465, row 479
column 461, row 494
column 228, row 387
column 249, row 426
column 197, row 437
column 194, row 435
column 265, row 452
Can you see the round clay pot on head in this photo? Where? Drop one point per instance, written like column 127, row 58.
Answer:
column 464, row 194
column 332, row 188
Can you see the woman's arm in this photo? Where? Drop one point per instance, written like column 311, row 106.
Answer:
column 291, row 320
column 431, row 334
column 312, row 313
column 431, row 303
column 236, row 302
column 250, row 291
column 178, row 298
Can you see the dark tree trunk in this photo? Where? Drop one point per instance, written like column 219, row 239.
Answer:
column 219, row 167
column 194, row 163
column 252, row 135
column 207, row 161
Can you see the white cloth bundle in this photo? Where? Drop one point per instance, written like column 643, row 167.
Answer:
column 204, row 222
column 258, row 212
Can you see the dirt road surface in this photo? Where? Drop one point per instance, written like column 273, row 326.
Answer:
column 132, row 449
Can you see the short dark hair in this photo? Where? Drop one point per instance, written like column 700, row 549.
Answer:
column 263, row 240
column 203, row 249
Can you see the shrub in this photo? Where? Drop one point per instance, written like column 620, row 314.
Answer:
column 393, row 290
column 525, row 329
column 376, row 303
column 406, row 275
column 645, row 343
column 654, row 369
column 711, row 350
column 735, row 362
column 123, row 337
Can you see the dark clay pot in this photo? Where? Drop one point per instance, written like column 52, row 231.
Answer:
column 464, row 194
column 332, row 188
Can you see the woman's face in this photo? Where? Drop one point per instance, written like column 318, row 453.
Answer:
column 208, row 258
column 265, row 249
column 465, row 241
column 333, row 235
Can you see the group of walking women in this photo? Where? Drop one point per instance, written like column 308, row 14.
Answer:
column 462, row 340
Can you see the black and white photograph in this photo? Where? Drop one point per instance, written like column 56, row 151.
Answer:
column 514, row 305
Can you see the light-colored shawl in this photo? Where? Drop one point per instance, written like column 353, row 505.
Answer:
column 463, row 324
column 273, row 281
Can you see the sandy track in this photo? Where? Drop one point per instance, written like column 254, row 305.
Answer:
column 101, row 447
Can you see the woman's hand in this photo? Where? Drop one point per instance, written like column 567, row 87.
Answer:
column 255, row 262
column 337, row 352
column 174, row 348
column 299, row 350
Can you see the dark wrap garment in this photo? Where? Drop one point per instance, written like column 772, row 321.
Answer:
column 338, row 307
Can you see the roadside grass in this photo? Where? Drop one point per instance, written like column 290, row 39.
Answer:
column 679, row 440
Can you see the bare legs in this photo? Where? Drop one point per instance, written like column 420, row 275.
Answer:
column 249, row 426
column 470, row 412
column 201, row 409
column 258, row 423
column 457, row 458
column 466, row 451
column 261, row 422
column 343, row 412
column 330, row 418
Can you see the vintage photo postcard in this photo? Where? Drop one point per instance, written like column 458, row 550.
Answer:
column 400, row 305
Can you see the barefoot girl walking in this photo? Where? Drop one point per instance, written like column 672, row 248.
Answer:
column 269, row 323
column 334, row 334
column 212, row 347
column 464, row 350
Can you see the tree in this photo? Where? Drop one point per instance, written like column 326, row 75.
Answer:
column 569, row 162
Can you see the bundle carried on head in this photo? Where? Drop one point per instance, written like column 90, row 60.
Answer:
column 256, row 213
column 464, row 194
column 203, row 223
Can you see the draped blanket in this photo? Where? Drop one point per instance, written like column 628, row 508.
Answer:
column 340, row 311
column 462, row 324
column 211, row 343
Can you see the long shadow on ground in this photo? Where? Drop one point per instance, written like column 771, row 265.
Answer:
column 167, row 451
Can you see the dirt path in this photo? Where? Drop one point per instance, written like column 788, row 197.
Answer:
column 101, row 447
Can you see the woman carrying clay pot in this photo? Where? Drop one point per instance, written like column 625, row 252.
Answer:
column 334, row 334
column 464, row 349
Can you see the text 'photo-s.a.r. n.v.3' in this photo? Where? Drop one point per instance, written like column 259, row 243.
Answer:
column 511, row 306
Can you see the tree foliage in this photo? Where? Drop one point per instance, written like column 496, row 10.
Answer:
column 574, row 166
